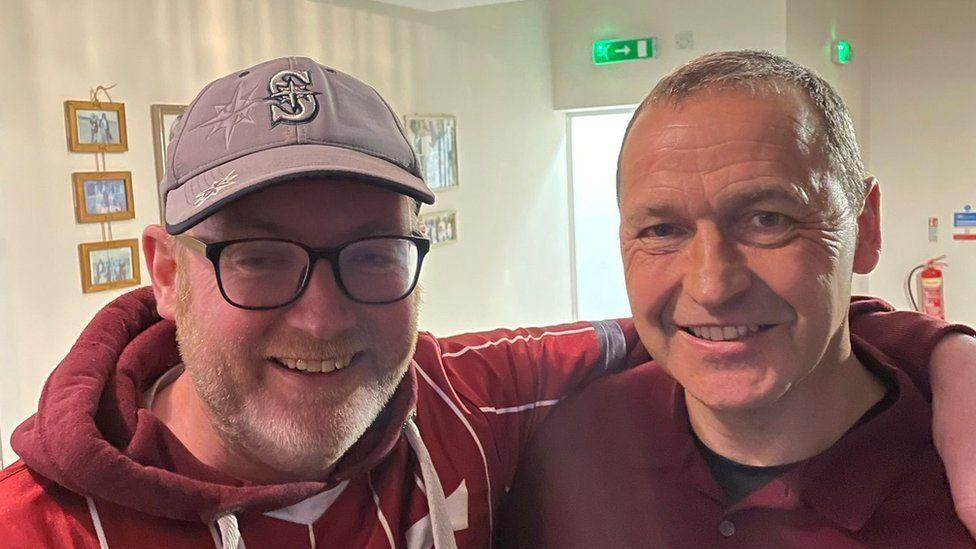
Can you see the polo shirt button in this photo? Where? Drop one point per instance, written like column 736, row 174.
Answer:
column 726, row 528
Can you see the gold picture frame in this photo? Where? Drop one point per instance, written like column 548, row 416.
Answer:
column 95, row 127
column 109, row 265
column 103, row 196
column 433, row 139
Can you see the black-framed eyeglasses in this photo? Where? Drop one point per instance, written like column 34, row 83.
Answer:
column 267, row 273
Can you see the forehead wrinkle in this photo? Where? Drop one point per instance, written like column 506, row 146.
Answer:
column 679, row 148
column 737, row 195
column 670, row 152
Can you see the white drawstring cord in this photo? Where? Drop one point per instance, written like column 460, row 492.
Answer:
column 440, row 519
column 230, row 533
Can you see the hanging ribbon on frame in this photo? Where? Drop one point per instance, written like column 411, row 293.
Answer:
column 100, row 165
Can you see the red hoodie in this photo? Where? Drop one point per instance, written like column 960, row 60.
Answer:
column 99, row 471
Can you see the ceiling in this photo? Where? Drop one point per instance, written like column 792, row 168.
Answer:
column 441, row 5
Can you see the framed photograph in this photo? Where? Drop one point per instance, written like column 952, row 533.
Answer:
column 103, row 196
column 441, row 227
column 164, row 118
column 109, row 265
column 434, row 140
column 96, row 127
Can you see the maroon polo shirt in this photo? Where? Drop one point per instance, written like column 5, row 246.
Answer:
column 617, row 466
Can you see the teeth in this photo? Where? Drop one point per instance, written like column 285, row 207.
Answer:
column 317, row 366
column 723, row 333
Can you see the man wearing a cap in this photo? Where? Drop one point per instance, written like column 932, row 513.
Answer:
column 256, row 396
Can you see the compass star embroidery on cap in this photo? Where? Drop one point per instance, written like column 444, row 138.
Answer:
column 215, row 188
column 231, row 114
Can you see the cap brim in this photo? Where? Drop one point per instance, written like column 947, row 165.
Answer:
column 209, row 191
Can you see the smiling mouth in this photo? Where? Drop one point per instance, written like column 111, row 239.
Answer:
column 725, row 333
column 316, row 366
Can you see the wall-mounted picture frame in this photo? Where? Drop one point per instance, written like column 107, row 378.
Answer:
column 96, row 126
column 109, row 265
column 164, row 117
column 434, row 141
column 441, row 227
column 103, row 196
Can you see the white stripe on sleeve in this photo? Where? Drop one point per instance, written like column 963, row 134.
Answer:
column 516, row 339
column 522, row 408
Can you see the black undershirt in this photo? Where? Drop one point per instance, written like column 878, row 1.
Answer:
column 738, row 480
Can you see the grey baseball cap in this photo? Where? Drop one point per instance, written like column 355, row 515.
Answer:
column 281, row 120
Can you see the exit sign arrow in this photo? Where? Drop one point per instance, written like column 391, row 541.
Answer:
column 615, row 51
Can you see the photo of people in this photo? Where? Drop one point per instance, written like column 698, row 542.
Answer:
column 103, row 196
column 98, row 127
column 434, row 140
column 441, row 227
column 111, row 265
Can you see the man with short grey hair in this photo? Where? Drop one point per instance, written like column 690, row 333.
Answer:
column 762, row 421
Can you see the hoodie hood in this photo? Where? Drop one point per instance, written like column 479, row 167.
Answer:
column 90, row 435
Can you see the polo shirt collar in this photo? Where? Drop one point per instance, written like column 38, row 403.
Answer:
column 849, row 481
column 845, row 484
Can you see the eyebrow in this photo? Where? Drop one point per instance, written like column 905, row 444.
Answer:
column 793, row 194
column 662, row 211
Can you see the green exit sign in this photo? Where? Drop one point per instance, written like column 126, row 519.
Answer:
column 615, row 51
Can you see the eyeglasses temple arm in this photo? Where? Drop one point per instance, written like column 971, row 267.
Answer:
column 192, row 243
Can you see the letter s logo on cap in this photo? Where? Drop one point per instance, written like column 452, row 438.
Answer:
column 292, row 100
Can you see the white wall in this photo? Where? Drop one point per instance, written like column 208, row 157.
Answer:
column 488, row 66
column 716, row 25
column 923, row 138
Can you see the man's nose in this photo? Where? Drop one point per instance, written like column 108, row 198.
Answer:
column 717, row 273
column 323, row 310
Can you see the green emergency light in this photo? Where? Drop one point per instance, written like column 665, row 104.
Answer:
column 616, row 51
column 842, row 52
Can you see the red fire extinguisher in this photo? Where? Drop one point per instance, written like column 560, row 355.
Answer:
column 930, row 287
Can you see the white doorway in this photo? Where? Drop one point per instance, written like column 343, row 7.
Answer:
column 598, row 278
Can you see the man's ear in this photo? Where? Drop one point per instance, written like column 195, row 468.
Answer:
column 157, row 247
column 868, row 250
